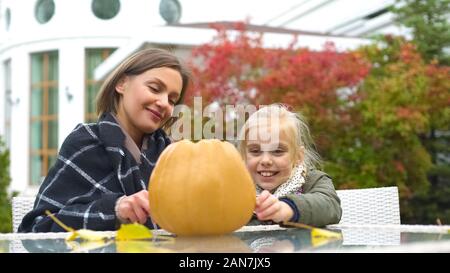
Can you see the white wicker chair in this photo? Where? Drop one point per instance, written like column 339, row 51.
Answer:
column 378, row 206
column 362, row 206
column 21, row 205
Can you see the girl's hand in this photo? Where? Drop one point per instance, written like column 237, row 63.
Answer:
column 134, row 208
column 268, row 207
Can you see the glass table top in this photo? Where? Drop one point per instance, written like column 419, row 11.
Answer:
column 259, row 239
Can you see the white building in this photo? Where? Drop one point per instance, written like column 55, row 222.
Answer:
column 53, row 53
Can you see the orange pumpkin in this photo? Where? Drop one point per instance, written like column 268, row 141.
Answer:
column 201, row 188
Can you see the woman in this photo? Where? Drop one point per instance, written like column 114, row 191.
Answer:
column 100, row 177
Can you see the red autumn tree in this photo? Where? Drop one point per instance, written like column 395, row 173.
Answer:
column 236, row 68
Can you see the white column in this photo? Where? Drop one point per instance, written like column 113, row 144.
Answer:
column 71, row 88
column 20, row 120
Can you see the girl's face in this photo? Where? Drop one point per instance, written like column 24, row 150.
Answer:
column 148, row 100
column 270, row 163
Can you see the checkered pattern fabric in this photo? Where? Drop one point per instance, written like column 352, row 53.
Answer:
column 92, row 171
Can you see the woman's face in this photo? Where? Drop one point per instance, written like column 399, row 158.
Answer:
column 148, row 99
column 270, row 162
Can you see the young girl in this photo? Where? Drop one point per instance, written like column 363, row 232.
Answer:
column 101, row 174
column 277, row 148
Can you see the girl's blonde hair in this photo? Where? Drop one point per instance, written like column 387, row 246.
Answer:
column 293, row 124
column 108, row 99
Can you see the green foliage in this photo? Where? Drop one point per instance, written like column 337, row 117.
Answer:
column 429, row 22
column 5, row 202
column 431, row 33
column 394, row 108
column 431, row 206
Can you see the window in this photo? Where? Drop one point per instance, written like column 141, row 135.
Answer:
column 43, row 114
column 44, row 11
column 7, row 18
column 170, row 11
column 105, row 9
column 94, row 57
column 8, row 102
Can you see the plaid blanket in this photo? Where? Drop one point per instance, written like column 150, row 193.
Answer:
column 92, row 171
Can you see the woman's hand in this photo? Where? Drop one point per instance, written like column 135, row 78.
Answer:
column 134, row 208
column 268, row 207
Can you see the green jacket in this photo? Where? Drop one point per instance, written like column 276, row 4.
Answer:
column 318, row 204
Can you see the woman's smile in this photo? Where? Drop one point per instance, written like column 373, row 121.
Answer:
column 156, row 116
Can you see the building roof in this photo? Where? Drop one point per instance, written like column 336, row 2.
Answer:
column 197, row 34
column 329, row 17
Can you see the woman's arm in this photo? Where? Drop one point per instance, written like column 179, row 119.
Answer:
column 81, row 189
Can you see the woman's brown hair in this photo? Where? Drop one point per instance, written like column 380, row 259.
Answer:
column 108, row 99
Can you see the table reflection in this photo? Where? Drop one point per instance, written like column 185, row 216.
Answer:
column 279, row 240
column 370, row 237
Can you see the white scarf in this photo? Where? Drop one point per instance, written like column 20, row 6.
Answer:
column 292, row 185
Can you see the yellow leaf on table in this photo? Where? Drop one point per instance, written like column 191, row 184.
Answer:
column 139, row 247
column 318, row 236
column 321, row 236
column 83, row 234
column 88, row 235
column 86, row 246
column 326, row 234
column 133, row 231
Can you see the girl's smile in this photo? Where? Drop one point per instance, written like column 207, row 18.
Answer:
column 267, row 173
column 267, row 177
